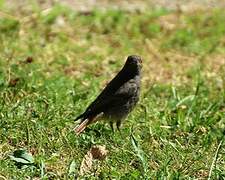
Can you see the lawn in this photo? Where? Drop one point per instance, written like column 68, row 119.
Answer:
column 54, row 62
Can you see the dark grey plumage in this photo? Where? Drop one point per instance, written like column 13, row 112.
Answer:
column 118, row 98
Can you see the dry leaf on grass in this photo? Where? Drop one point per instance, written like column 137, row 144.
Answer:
column 96, row 152
column 99, row 152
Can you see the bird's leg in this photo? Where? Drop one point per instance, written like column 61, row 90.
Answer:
column 111, row 125
column 118, row 123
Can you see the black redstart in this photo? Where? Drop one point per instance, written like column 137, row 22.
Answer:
column 117, row 99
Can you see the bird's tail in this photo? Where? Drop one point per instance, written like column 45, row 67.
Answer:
column 81, row 127
column 83, row 124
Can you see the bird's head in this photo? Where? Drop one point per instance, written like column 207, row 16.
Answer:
column 133, row 63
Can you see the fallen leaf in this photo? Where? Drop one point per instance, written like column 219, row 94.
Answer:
column 96, row 152
column 86, row 164
column 99, row 152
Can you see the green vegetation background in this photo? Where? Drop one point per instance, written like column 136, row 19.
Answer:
column 53, row 63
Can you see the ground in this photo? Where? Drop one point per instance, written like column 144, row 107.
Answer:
column 54, row 62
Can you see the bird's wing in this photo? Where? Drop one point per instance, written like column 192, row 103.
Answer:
column 128, row 89
column 102, row 103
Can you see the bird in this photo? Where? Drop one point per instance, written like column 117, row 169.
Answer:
column 117, row 99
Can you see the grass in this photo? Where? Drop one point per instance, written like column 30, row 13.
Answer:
column 54, row 63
